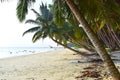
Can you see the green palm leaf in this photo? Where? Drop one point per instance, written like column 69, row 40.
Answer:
column 37, row 14
column 47, row 15
column 33, row 22
column 31, row 30
column 41, row 19
column 22, row 8
column 37, row 36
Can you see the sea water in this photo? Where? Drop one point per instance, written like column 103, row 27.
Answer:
column 18, row 51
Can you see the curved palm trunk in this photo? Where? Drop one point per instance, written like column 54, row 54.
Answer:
column 80, row 44
column 95, row 41
column 78, row 52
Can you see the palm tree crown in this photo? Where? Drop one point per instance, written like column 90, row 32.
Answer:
column 44, row 23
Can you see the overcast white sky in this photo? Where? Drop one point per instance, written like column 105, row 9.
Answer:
column 11, row 29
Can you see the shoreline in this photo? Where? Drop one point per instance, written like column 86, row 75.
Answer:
column 51, row 65
column 59, row 64
column 18, row 51
column 27, row 54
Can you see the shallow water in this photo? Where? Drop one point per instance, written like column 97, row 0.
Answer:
column 18, row 51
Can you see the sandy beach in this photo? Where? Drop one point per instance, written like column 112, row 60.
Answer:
column 53, row 65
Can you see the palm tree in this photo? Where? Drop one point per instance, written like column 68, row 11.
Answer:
column 95, row 41
column 43, row 22
column 46, row 28
column 86, row 21
column 22, row 10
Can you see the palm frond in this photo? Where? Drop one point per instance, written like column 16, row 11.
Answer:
column 22, row 8
column 37, row 14
column 37, row 36
column 31, row 30
column 41, row 19
column 43, row 9
column 33, row 22
column 45, row 12
column 58, row 12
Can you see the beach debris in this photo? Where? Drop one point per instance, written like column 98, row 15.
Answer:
column 91, row 71
column 88, row 73
column 91, row 74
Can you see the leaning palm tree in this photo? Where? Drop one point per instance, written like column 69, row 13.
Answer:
column 22, row 10
column 82, row 18
column 88, row 14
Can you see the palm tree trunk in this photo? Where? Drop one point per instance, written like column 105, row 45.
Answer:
column 106, row 37
column 116, row 39
column 78, row 52
column 95, row 41
column 80, row 44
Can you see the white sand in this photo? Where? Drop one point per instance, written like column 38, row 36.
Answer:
column 54, row 65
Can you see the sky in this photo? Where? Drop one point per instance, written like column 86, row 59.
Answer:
column 11, row 29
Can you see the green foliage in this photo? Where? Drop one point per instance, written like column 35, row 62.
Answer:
column 102, row 24
column 22, row 8
column 60, row 23
column 31, row 30
column 42, row 22
column 98, row 14
column 33, row 22
column 78, row 33
column 37, row 36
column 58, row 16
column 35, row 12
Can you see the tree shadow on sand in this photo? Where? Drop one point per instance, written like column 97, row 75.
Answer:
column 95, row 58
column 96, row 69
